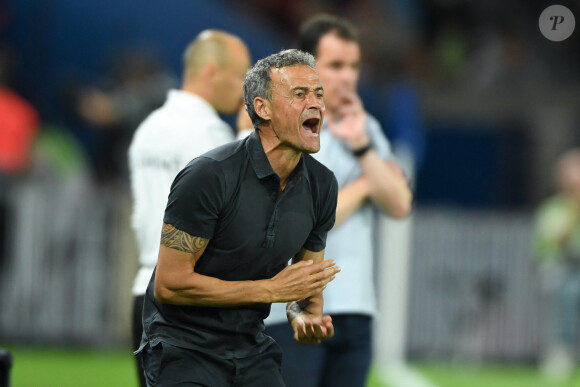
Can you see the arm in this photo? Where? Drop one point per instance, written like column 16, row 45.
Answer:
column 389, row 191
column 350, row 198
column 386, row 185
column 176, row 281
column 305, row 315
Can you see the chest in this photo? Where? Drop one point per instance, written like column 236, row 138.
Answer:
column 260, row 228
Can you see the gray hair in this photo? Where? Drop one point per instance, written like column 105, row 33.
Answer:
column 257, row 82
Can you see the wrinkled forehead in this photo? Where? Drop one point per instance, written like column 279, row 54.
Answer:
column 290, row 77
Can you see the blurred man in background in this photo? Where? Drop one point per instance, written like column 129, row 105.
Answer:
column 186, row 126
column 557, row 248
column 234, row 216
column 354, row 147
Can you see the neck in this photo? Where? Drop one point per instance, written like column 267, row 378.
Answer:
column 283, row 159
column 198, row 89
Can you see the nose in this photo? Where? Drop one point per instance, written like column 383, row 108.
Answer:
column 314, row 102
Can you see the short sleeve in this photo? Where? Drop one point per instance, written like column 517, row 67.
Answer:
column 196, row 198
column 326, row 216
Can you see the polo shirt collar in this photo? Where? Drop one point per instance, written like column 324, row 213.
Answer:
column 260, row 162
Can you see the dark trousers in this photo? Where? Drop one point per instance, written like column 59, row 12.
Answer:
column 342, row 361
column 170, row 366
column 137, row 333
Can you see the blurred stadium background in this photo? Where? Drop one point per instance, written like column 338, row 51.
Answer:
column 476, row 102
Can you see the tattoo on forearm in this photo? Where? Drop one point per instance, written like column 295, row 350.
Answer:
column 180, row 240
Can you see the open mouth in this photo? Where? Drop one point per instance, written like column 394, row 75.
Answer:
column 312, row 125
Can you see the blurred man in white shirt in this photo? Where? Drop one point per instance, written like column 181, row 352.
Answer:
column 186, row 126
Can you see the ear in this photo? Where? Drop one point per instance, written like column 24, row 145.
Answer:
column 208, row 71
column 263, row 108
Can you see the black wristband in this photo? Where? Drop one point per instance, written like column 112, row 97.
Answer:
column 361, row 151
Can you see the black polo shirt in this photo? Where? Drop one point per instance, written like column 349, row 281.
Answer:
column 230, row 196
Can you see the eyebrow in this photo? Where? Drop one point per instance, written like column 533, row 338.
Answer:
column 306, row 88
column 342, row 62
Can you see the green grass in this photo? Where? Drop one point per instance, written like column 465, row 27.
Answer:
column 50, row 367
column 36, row 367
column 447, row 375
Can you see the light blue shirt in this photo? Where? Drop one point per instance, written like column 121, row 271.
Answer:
column 351, row 243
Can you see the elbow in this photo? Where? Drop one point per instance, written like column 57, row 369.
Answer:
column 402, row 209
column 400, row 212
column 397, row 204
column 162, row 294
